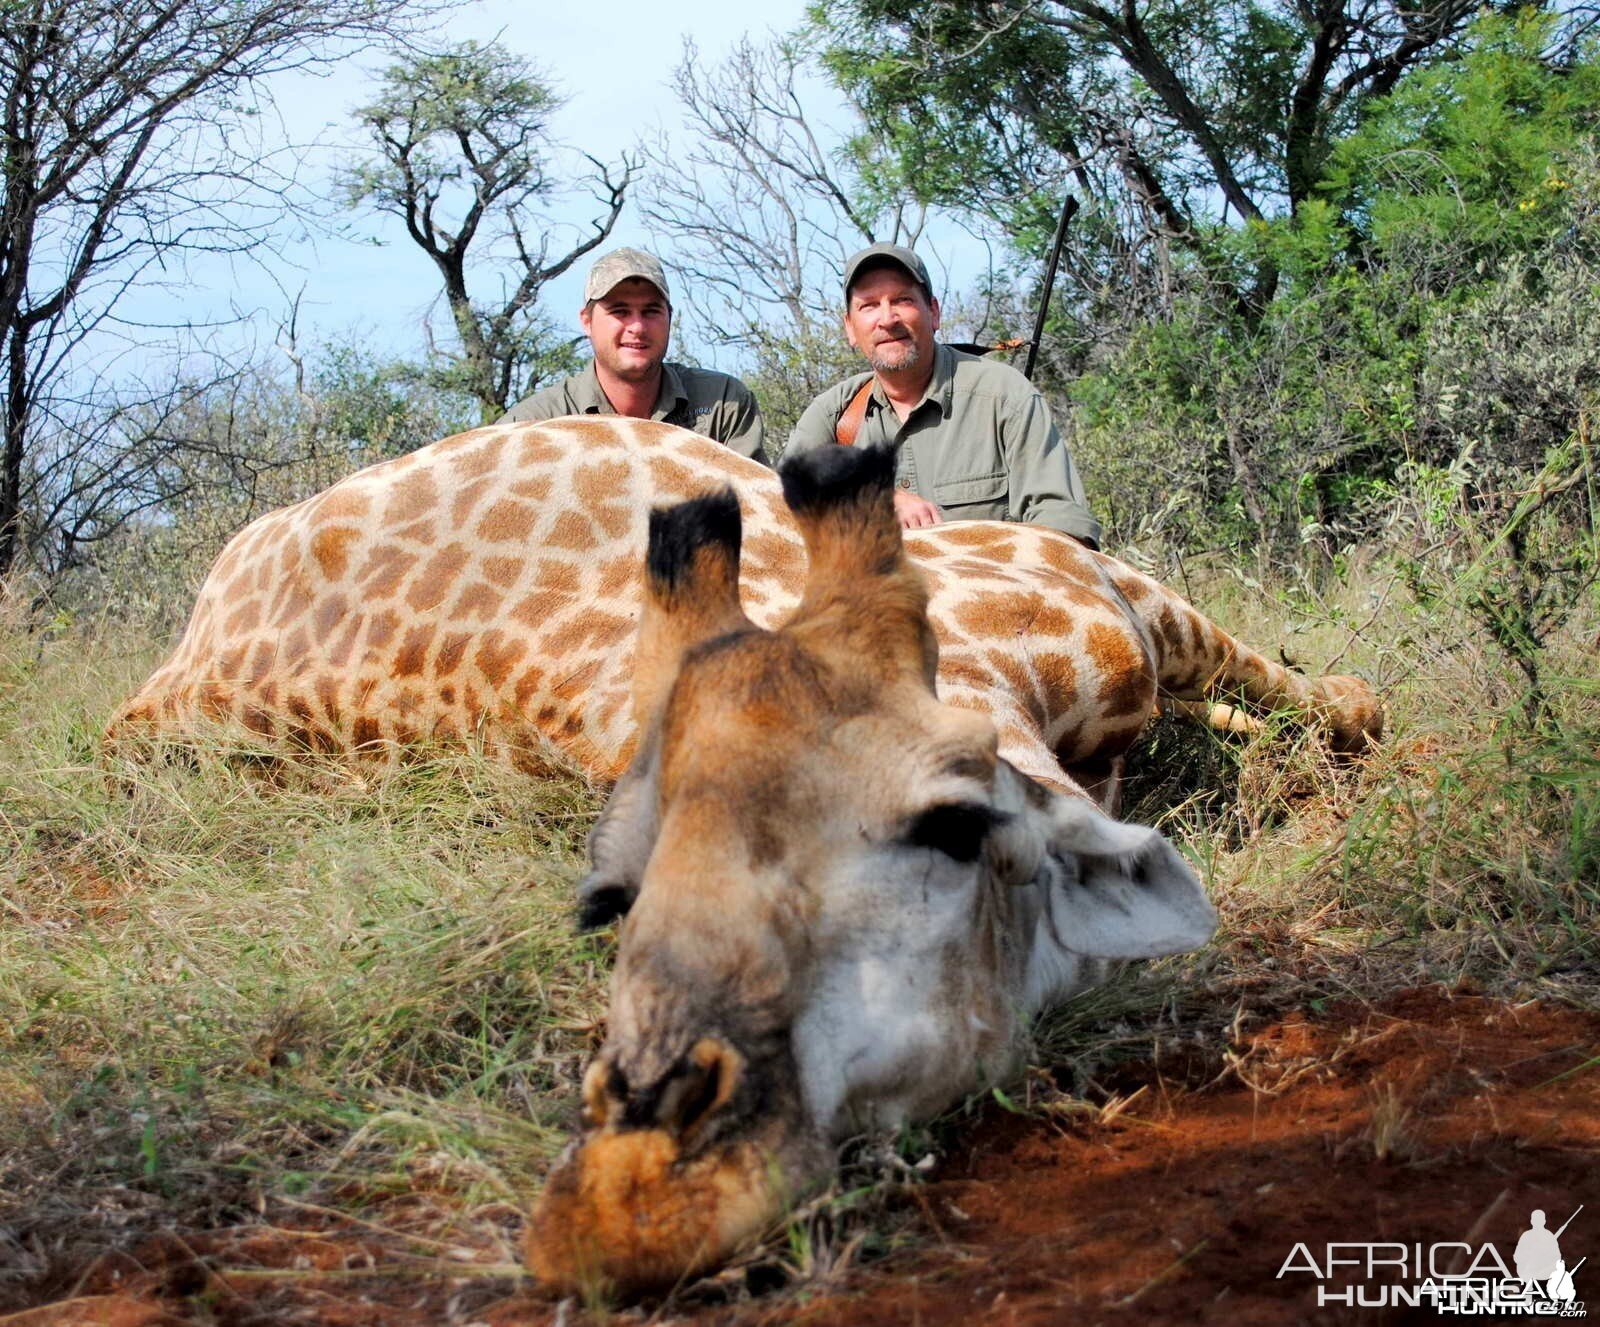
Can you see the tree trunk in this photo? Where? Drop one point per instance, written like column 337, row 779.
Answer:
column 16, row 426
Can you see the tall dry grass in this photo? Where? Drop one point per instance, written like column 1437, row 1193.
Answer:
column 220, row 987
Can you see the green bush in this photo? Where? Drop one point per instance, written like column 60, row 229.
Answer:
column 1441, row 296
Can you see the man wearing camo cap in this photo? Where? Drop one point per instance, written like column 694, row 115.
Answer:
column 627, row 316
column 973, row 438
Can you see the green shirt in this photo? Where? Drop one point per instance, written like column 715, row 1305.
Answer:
column 980, row 444
column 710, row 403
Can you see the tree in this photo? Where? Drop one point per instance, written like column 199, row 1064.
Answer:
column 1471, row 155
column 1173, row 115
column 1437, row 313
column 761, row 212
column 126, row 147
column 462, row 156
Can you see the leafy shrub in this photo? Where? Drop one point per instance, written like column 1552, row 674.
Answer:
column 1434, row 299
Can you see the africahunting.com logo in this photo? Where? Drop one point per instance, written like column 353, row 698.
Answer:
column 1451, row 1278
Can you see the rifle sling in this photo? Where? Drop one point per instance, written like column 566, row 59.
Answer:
column 844, row 432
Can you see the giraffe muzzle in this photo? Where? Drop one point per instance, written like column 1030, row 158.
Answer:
column 654, row 1193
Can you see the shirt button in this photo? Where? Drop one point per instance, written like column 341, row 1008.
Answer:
column 904, row 482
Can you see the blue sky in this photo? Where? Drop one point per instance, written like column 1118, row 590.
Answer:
column 611, row 61
column 370, row 283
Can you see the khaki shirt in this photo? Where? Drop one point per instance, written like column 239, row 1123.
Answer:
column 710, row 403
column 980, row 444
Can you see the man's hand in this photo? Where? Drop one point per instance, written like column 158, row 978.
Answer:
column 915, row 513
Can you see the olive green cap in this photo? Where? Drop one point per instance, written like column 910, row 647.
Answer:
column 877, row 255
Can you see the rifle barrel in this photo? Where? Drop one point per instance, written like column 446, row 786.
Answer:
column 1068, row 207
column 1569, row 1220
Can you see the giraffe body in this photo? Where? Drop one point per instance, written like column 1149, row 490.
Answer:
column 849, row 840
column 488, row 587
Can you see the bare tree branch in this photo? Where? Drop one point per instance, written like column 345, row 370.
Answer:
column 124, row 148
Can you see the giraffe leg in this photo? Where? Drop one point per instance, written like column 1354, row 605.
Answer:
column 1196, row 661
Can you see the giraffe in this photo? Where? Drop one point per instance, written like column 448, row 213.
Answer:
column 486, row 588
column 840, row 904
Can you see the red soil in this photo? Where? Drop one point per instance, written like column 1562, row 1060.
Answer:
column 1426, row 1118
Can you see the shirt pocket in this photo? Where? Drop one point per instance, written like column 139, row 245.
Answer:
column 971, row 490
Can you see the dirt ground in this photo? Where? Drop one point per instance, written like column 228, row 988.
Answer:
column 1428, row 1117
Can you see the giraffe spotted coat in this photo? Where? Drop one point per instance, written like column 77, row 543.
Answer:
column 488, row 587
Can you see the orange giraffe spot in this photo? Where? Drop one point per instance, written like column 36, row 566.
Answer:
column 412, row 656
column 536, row 489
column 478, row 601
column 497, row 655
column 603, row 482
column 385, row 568
column 452, row 650
column 1127, row 682
column 572, row 531
column 343, row 503
column 507, row 520
column 483, row 459
column 330, row 547
column 413, row 497
column 437, row 578
column 502, row 571
column 558, row 575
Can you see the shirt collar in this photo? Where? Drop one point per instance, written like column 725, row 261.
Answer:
column 941, row 388
column 586, row 393
column 591, row 399
column 672, row 391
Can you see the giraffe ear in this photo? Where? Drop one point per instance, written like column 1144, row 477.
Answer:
column 691, row 591
column 1113, row 890
column 621, row 841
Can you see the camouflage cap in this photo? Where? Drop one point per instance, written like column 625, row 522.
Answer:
column 880, row 255
column 618, row 266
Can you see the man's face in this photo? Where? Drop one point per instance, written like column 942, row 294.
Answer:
column 891, row 321
column 629, row 327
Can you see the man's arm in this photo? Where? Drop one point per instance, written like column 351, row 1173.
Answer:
column 1045, row 489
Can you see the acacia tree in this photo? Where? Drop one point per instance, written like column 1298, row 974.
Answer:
column 462, row 155
column 126, row 147
column 1172, row 114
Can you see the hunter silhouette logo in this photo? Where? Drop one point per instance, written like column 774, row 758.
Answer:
column 1451, row 1278
column 1539, row 1261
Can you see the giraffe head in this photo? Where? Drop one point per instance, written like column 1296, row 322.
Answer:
column 840, row 904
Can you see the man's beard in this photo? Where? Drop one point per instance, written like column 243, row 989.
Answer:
column 910, row 359
column 637, row 372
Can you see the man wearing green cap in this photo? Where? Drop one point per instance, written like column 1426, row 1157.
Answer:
column 973, row 437
column 627, row 316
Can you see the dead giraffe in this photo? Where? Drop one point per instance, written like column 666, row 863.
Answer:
column 841, row 905
column 487, row 588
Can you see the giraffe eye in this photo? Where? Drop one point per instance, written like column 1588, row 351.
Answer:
column 957, row 829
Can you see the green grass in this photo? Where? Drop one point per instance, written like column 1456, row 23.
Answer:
column 226, row 990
